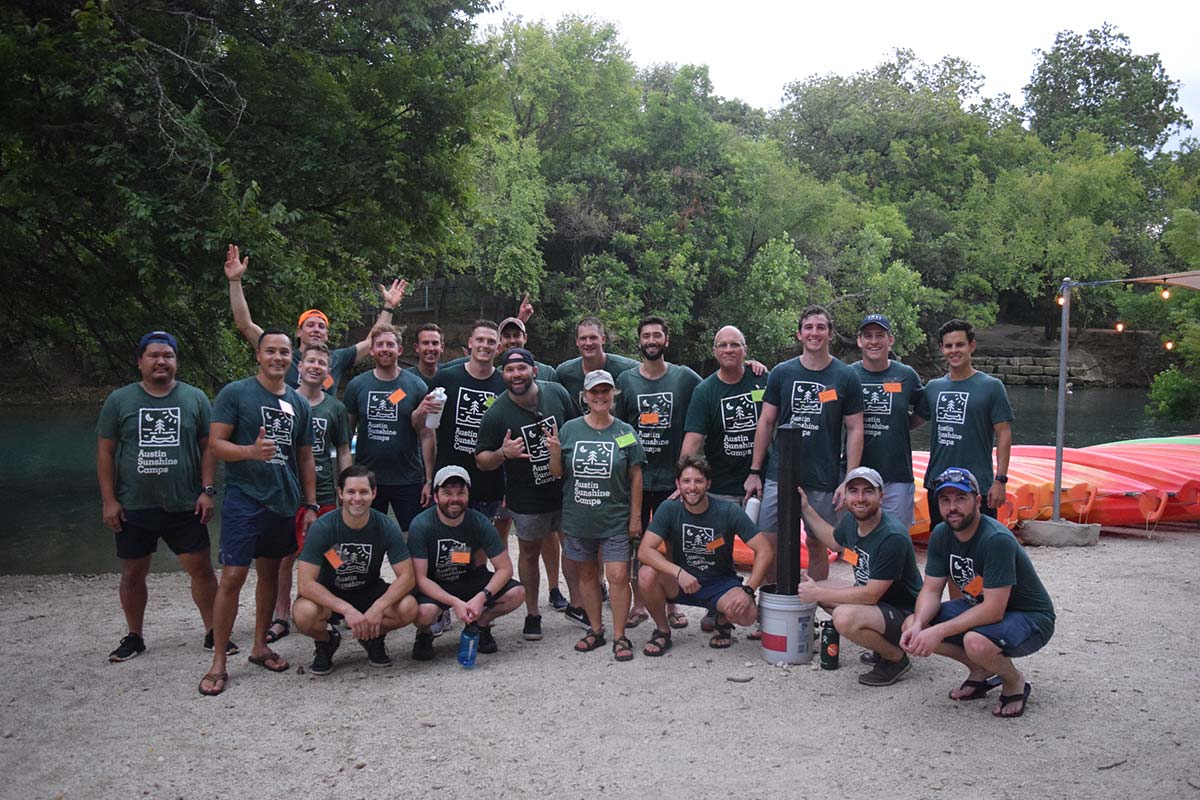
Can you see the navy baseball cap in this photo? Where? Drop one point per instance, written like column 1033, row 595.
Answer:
column 876, row 319
column 516, row 355
column 157, row 336
column 956, row 478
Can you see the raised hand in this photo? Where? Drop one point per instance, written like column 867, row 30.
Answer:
column 394, row 296
column 526, row 309
column 513, row 448
column 235, row 266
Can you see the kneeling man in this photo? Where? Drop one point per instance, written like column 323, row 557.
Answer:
column 1004, row 612
column 699, row 531
column 870, row 613
column 339, row 571
column 448, row 543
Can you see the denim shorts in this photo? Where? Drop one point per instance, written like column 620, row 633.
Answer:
column 614, row 548
column 489, row 508
column 711, row 590
column 250, row 530
column 1016, row 635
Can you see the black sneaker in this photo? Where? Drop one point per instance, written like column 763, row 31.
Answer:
column 487, row 642
column 578, row 616
column 231, row 649
column 322, row 663
column 423, row 647
column 557, row 601
column 336, row 619
column 533, row 627
column 130, row 647
column 885, row 673
column 377, row 654
column 869, row 657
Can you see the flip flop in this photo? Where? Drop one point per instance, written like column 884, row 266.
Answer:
column 979, row 689
column 272, row 636
column 636, row 618
column 270, row 658
column 213, row 677
column 1005, row 699
column 677, row 620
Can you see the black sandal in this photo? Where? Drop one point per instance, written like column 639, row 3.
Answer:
column 272, row 636
column 622, row 643
column 660, row 641
column 722, row 637
column 590, row 641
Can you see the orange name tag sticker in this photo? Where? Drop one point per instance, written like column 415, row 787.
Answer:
column 850, row 556
column 460, row 557
column 649, row 418
column 827, row 396
column 893, row 388
column 333, row 558
column 715, row 545
column 327, row 383
column 975, row 587
column 395, row 397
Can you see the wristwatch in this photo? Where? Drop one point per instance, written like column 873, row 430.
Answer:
column 313, row 507
column 1001, row 479
column 211, row 491
column 756, row 471
column 748, row 589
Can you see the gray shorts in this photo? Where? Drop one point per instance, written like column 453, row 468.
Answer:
column 532, row 527
column 735, row 499
column 614, row 548
column 768, row 514
column 898, row 501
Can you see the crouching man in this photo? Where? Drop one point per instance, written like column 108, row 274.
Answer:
column 699, row 530
column 339, row 571
column 449, row 542
column 1004, row 612
column 871, row 612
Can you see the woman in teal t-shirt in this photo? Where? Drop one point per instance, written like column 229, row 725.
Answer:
column 602, row 506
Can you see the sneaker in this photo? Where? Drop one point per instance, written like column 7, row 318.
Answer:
column 604, row 593
column 443, row 623
column 336, row 619
column 487, row 642
column 423, row 647
column 869, row 657
column 557, row 601
column 885, row 673
column 578, row 616
column 231, row 649
column 709, row 623
column 533, row 627
column 377, row 654
column 130, row 647
column 322, row 663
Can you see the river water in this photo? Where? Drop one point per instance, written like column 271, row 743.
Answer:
column 52, row 506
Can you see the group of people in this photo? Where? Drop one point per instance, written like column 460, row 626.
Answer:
column 630, row 477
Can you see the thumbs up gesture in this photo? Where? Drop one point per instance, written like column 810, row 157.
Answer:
column 513, row 448
column 263, row 448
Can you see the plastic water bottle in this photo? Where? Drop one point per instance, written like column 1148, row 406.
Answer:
column 468, row 646
column 752, row 507
column 435, row 419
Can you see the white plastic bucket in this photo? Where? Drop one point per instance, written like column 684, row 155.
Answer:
column 787, row 628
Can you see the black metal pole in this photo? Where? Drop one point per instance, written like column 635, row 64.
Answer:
column 787, row 554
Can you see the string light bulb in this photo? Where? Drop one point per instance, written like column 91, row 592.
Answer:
column 1120, row 327
column 1166, row 293
column 1061, row 300
column 1169, row 345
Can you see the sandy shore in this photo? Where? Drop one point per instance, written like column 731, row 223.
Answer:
column 1114, row 711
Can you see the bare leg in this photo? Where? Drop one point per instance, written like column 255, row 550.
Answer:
column 133, row 592
column 528, row 571
column 204, row 583
column 619, row 593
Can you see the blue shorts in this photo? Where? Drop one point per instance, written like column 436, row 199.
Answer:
column 250, row 530
column 404, row 500
column 489, row 508
column 1016, row 635
column 710, row 591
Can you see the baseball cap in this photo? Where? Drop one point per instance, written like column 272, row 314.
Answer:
column 865, row 473
column 157, row 336
column 312, row 312
column 956, row 478
column 516, row 355
column 597, row 377
column 504, row 323
column 446, row 473
column 876, row 319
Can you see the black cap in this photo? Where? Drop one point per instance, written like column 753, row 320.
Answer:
column 517, row 355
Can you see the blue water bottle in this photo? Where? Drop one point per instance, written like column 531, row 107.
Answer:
column 468, row 646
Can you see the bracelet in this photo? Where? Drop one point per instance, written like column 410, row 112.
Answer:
column 388, row 310
column 756, row 471
column 677, row 574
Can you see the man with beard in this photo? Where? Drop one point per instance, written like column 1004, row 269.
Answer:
column 339, row 572
column 311, row 328
column 512, row 435
column 386, row 409
column 886, row 581
column 448, row 543
column 1004, row 612
column 654, row 400
column 262, row 429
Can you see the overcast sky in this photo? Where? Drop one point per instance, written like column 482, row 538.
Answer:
column 754, row 47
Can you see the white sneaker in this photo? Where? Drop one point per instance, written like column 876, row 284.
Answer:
column 443, row 624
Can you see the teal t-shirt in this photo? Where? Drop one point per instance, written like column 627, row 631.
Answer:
column 287, row 418
column 467, row 398
column 359, row 554
column 450, row 549
column 726, row 414
column 596, row 466
column 545, row 372
column 340, row 361
column 702, row 543
column 884, row 554
column 817, row 401
column 994, row 555
column 887, row 398
column 529, row 486
column 158, row 445
column 570, row 375
column 964, row 414
column 416, row 373
column 657, row 410
column 331, row 429
column 387, row 442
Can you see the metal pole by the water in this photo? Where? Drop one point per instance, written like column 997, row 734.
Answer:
column 1061, row 422
column 787, row 554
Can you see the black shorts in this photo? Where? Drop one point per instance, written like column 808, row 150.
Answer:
column 362, row 599
column 893, row 621
column 466, row 588
column 404, row 500
column 650, row 503
column 181, row 530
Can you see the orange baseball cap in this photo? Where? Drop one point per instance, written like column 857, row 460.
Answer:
column 312, row 312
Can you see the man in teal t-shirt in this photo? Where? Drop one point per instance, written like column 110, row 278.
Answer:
column 339, row 572
column 872, row 611
column 1004, row 612
column 590, row 340
column 155, row 471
